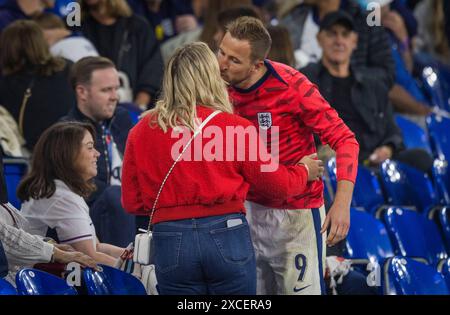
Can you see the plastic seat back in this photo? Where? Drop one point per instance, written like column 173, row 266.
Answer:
column 14, row 171
column 439, row 130
column 367, row 238
column 405, row 276
column 406, row 186
column 413, row 235
column 414, row 137
column 6, row 288
column 112, row 281
column 36, row 282
column 367, row 192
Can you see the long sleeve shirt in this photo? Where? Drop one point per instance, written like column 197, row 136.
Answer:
column 21, row 248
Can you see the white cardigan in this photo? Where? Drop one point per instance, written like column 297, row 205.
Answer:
column 21, row 248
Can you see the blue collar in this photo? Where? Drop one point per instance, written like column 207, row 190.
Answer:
column 270, row 71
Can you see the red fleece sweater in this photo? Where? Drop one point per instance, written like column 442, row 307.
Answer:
column 198, row 188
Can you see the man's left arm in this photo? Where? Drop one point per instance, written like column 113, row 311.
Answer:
column 324, row 121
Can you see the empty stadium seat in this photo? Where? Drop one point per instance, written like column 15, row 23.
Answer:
column 441, row 176
column 436, row 85
column 444, row 269
column 35, row 282
column 414, row 137
column 112, row 281
column 413, row 235
column 6, row 288
column 405, row 276
column 367, row 193
column 367, row 239
column 407, row 186
column 133, row 111
column 438, row 128
column 442, row 218
column 14, row 170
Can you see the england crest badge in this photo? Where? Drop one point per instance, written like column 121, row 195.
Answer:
column 265, row 120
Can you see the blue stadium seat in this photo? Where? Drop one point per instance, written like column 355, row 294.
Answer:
column 438, row 128
column 405, row 276
column 414, row 137
column 331, row 172
column 441, row 176
column 436, row 85
column 60, row 8
column 367, row 193
column 327, row 196
column 367, row 239
column 442, row 218
column 35, row 282
column 413, row 235
column 6, row 288
column 14, row 170
column 407, row 186
column 133, row 111
column 444, row 269
column 112, row 281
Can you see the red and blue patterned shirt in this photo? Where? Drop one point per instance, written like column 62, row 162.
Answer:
column 285, row 98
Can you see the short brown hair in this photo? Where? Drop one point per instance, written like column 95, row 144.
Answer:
column 23, row 47
column 81, row 72
column 251, row 29
column 54, row 157
column 48, row 21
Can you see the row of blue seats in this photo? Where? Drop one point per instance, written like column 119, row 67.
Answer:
column 106, row 281
column 405, row 246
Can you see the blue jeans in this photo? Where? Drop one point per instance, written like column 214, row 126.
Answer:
column 204, row 256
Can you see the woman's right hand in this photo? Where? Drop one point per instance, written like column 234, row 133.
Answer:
column 314, row 166
column 65, row 257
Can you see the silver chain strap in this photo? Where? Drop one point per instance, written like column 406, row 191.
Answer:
column 198, row 131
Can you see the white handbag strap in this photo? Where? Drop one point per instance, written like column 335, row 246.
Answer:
column 196, row 133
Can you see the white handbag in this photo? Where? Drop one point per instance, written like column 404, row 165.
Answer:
column 142, row 241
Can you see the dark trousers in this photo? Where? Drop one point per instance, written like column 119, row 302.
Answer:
column 112, row 224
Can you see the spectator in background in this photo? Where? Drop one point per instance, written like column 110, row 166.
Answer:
column 227, row 16
column 207, row 32
column 63, row 42
column 360, row 98
column 12, row 10
column 127, row 40
column 95, row 81
column 169, row 17
column 34, row 85
column 434, row 29
column 281, row 50
column 373, row 49
column 62, row 170
column 406, row 96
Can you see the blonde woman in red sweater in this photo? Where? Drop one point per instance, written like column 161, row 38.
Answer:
column 194, row 192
